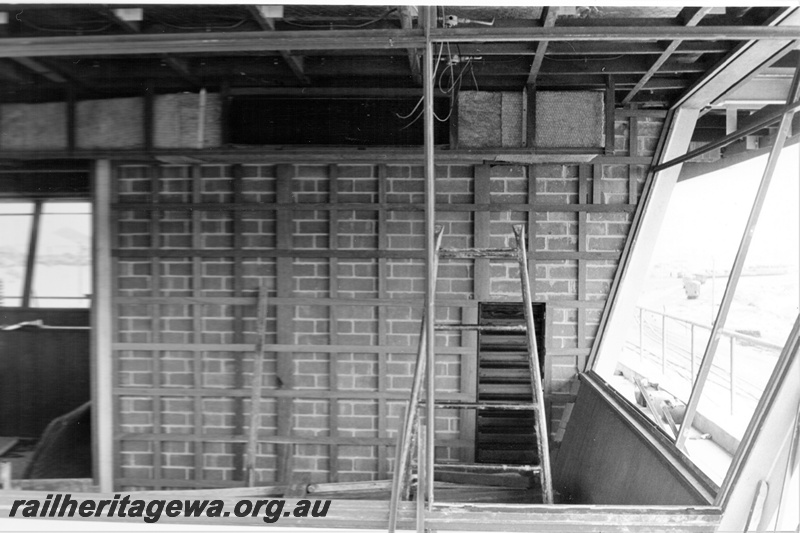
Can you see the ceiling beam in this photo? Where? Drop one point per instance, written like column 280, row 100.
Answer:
column 692, row 16
column 549, row 16
column 222, row 42
column 743, row 63
column 12, row 72
column 407, row 23
column 132, row 28
column 41, row 69
column 295, row 62
column 577, row 49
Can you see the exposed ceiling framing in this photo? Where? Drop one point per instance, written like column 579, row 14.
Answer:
column 653, row 55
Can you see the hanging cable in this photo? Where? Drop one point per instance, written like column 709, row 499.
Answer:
column 373, row 21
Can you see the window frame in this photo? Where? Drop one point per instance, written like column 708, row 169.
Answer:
column 636, row 257
column 34, row 235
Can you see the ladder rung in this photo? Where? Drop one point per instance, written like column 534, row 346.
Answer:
column 486, row 468
column 481, row 406
column 478, row 253
column 479, row 327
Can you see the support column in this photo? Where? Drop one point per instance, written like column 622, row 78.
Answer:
column 102, row 330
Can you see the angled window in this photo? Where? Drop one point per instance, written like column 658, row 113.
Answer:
column 692, row 265
column 15, row 227
column 45, row 256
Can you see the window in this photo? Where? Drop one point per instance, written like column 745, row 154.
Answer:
column 679, row 303
column 15, row 227
column 45, row 260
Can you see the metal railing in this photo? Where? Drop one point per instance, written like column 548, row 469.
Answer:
column 675, row 345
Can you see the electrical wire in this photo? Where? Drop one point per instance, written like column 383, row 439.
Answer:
column 584, row 59
column 179, row 27
column 373, row 21
column 98, row 29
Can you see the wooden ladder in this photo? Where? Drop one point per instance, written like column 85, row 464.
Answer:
column 412, row 429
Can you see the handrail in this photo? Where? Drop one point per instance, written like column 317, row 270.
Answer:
column 737, row 388
column 725, row 332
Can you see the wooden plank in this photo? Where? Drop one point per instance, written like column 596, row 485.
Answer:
column 548, row 20
column 71, row 119
column 610, row 105
column 583, row 230
column 597, row 184
column 271, row 438
column 486, row 480
column 284, row 315
column 329, row 302
column 197, row 322
column 333, row 369
column 103, row 312
column 272, row 393
column 281, row 348
column 337, row 302
column 148, row 118
column 239, row 418
column 256, row 386
column 441, row 207
column 481, row 282
column 383, row 326
column 155, row 172
column 531, row 175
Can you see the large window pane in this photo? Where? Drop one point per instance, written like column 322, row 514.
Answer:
column 680, row 296
column 15, row 229
column 669, row 331
column 763, row 311
column 62, row 272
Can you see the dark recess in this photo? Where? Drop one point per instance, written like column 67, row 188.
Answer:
column 346, row 121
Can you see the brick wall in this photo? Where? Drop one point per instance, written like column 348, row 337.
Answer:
column 195, row 398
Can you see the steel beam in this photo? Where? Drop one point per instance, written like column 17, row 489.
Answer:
column 226, row 42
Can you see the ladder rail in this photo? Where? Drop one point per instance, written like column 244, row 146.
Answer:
column 542, row 445
column 424, row 435
column 406, row 436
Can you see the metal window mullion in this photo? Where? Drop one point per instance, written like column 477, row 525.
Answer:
column 738, row 265
column 33, row 244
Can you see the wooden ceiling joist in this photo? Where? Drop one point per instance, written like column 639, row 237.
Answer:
column 549, row 16
column 295, row 62
column 132, row 28
column 39, row 68
column 407, row 23
column 227, row 42
column 692, row 16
